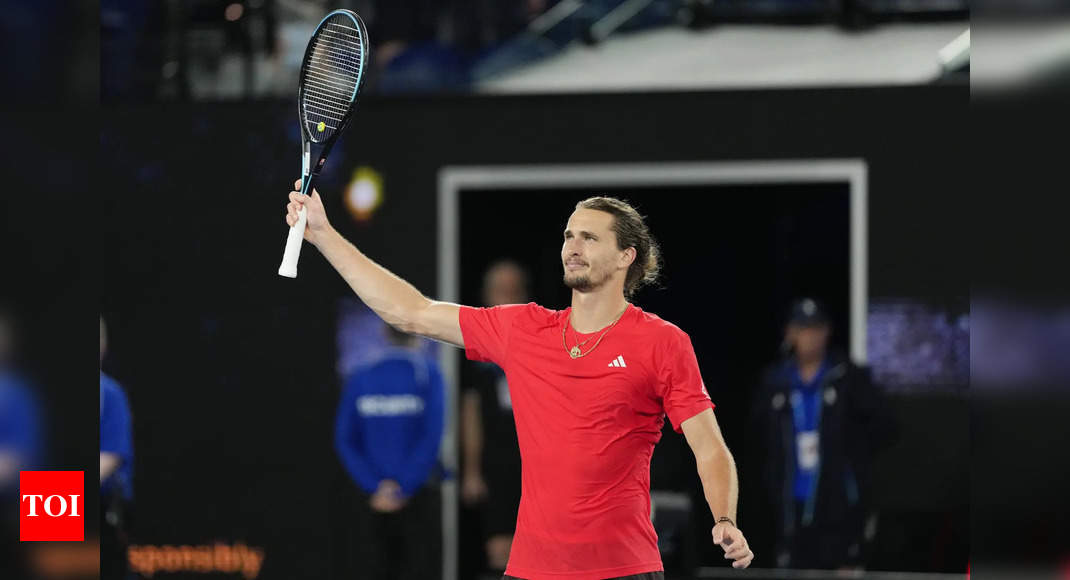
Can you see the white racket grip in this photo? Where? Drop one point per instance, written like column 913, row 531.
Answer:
column 293, row 246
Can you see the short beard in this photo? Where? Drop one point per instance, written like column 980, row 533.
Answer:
column 581, row 283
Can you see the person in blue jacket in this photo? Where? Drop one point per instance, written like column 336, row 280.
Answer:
column 20, row 429
column 21, row 445
column 116, row 471
column 387, row 434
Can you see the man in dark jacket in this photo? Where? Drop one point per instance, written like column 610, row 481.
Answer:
column 820, row 421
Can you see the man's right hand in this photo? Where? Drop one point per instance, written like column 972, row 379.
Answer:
column 317, row 225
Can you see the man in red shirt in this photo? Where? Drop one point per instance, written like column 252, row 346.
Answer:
column 590, row 387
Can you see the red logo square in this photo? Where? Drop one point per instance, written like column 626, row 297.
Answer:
column 51, row 506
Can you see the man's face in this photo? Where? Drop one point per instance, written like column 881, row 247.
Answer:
column 810, row 342
column 589, row 253
column 505, row 285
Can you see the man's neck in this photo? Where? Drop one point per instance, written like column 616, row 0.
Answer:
column 808, row 368
column 597, row 309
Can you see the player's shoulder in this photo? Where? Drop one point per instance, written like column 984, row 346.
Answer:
column 658, row 328
column 534, row 316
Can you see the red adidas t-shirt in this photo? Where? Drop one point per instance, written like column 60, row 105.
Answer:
column 587, row 428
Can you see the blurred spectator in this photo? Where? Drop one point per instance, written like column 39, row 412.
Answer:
column 20, row 445
column 421, row 45
column 116, row 471
column 387, row 434
column 482, row 24
column 132, row 44
column 410, row 51
column 57, row 58
column 397, row 24
column 19, row 429
column 491, row 453
column 819, row 421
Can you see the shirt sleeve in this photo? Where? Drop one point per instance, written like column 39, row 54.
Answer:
column 486, row 331
column 679, row 384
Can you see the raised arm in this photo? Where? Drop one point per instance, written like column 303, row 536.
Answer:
column 396, row 301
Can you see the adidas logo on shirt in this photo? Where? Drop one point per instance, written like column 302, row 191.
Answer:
column 618, row 362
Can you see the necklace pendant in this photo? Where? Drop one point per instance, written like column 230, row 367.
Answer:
column 575, row 352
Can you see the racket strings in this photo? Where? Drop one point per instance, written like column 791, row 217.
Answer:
column 331, row 76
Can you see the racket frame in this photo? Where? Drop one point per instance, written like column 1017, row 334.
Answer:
column 310, row 172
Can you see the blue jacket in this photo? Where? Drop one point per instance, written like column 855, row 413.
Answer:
column 116, row 436
column 390, row 421
column 20, row 429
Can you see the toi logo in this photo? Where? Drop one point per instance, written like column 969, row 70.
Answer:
column 52, row 506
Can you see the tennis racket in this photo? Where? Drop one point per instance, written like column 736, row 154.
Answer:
column 332, row 73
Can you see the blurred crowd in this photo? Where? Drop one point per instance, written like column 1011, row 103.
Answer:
column 212, row 49
column 231, row 49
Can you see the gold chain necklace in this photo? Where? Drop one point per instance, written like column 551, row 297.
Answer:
column 575, row 351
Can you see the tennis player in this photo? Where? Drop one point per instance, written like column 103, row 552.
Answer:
column 590, row 387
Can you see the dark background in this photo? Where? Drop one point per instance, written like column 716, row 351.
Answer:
column 47, row 286
column 229, row 368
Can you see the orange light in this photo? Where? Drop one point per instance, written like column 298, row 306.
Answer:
column 364, row 193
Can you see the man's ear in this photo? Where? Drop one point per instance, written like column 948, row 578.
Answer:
column 627, row 257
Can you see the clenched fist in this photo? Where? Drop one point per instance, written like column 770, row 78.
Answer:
column 317, row 225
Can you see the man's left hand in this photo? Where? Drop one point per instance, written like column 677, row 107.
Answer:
column 387, row 498
column 734, row 544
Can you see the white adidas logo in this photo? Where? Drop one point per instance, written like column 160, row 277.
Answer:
column 618, row 362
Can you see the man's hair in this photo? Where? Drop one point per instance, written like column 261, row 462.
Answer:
column 631, row 232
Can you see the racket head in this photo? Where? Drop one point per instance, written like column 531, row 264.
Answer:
column 332, row 73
